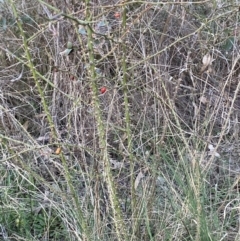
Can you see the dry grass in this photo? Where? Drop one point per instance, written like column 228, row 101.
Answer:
column 155, row 157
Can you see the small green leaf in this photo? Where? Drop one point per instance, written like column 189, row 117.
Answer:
column 3, row 23
column 82, row 31
column 69, row 45
column 228, row 44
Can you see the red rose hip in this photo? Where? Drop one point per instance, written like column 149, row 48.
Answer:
column 103, row 90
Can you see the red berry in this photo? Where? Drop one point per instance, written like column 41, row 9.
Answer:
column 103, row 90
column 117, row 15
